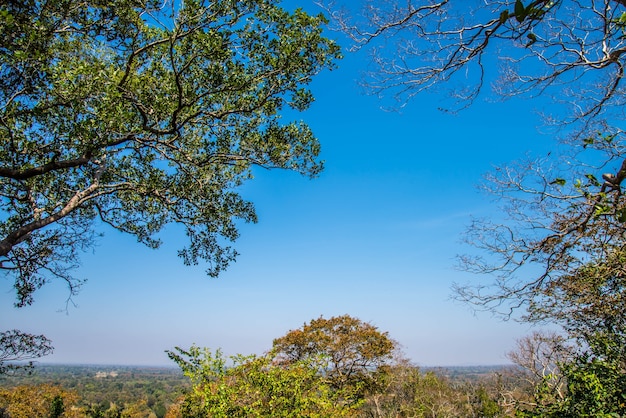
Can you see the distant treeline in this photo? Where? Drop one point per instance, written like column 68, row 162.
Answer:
column 148, row 390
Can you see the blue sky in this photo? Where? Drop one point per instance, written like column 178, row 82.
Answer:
column 375, row 236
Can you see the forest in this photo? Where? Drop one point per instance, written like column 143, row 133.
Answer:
column 136, row 115
column 92, row 391
column 332, row 367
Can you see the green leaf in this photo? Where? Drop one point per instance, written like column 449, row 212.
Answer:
column 592, row 179
column 559, row 181
column 601, row 209
column 609, row 138
column 520, row 11
column 504, row 16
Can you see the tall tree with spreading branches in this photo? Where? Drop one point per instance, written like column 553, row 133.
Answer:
column 564, row 47
column 564, row 211
column 138, row 114
column 354, row 352
column 557, row 252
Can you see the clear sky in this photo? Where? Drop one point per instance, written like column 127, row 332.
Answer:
column 375, row 237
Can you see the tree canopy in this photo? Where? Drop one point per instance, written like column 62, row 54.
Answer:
column 335, row 367
column 44, row 400
column 141, row 114
column 352, row 350
column 251, row 386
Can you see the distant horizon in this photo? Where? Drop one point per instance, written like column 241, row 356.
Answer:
column 164, row 366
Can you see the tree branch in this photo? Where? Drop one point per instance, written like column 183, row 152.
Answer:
column 17, row 174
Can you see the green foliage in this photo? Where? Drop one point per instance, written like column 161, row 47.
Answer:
column 596, row 388
column 530, row 11
column 141, row 114
column 137, row 392
column 330, row 368
column 352, row 350
column 57, row 407
column 253, row 386
column 142, row 391
column 485, row 405
column 596, row 377
column 45, row 400
column 590, row 304
column 406, row 391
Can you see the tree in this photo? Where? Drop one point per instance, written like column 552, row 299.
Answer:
column 18, row 350
column 596, row 381
column 539, row 358
column 251, row 386
column 563, row 211
column 557, row 253
column 137, row 115
column 38, row 401
column 591, row 300
column 540, row 46
column 586, row 379
column 560, row 256
column 57, row 407
column 596, row 385
column 406, row 391
column 354, row 351
column 141, row 114
column 561, row 218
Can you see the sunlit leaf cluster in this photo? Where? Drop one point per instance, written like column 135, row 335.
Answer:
column 142, row 114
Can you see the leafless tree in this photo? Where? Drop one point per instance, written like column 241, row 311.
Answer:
column 18, row 350
column 571, row 49
column 557, row 247
column 560, row 214
column 539, row 356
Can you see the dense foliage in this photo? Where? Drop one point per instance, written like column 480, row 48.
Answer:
column 111, row 392
column 551, row 380
column 333, row 367
column 255, row 387
column 37, row 401
column 140, row 114
column 118, row 112
column 97, row 391
column 349, row 348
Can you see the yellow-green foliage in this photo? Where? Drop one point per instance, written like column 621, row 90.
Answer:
column 44, row 400
column 254, row 387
